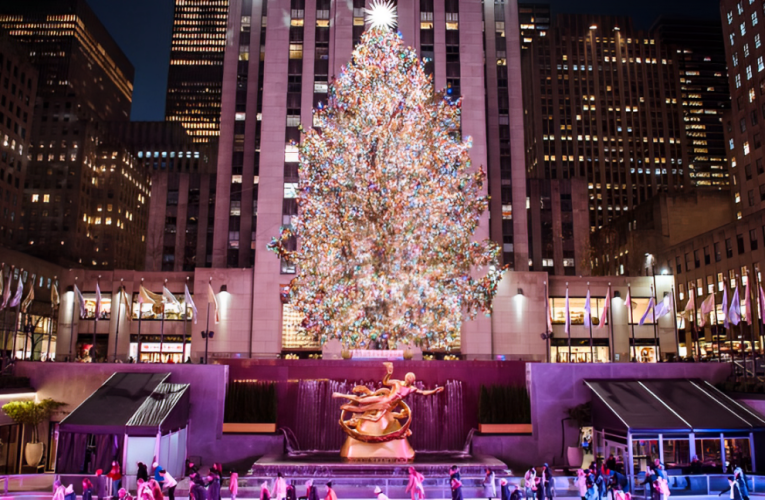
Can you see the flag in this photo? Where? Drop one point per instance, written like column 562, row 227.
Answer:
column 648, row 310
column 663, row 308
column 762, row 306
column 145, row 296
column 30, row 297
column 726, row 321
column 735, row 305
column 7, row 291
column 169, row 298
column 81, row 300
column 98, row 301
column 16, row 300
column 126, row 302
column 214, row 301
column 606, row 305
column 189, row 302
column 55, row 300
column 747, row 304
column 706, row 308
column 587, row 311
column 690, row 306
column 2, row 285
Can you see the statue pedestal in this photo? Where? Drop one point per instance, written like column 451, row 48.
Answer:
column 397, row 450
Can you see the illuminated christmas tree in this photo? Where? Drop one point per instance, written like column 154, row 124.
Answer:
column 388, row 206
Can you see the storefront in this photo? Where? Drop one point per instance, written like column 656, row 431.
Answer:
column 644, row 350
column 171, row 349
column 581, row 352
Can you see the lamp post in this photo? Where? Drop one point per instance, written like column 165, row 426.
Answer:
column 207, row 335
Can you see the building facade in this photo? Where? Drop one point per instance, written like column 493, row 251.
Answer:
column 17, row 100
column 602, row 102
column 85, row 199
column 702, row 70
column 196, row 66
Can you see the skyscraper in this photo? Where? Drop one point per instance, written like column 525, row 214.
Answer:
column 196, row 66
column 700, row 54
column 85, row 199
column 602, row 102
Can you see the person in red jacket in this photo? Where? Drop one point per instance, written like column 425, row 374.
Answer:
column 115, row 474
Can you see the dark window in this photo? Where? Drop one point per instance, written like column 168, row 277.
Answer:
column 757, row 141
column 760, row 168
column 748, row 171
column 688, row 262
column 740, row 243
column 728, row 248
column 678, row 265
column 753, row 239
column 718, row 252
column 742, row 125
column 697, row 259
column 707, row 256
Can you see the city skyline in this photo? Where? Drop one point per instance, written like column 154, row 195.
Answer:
column 153, row 20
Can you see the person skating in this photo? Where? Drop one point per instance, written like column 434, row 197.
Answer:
column 213, row 481
column 87, row 489
column 265, row 494
column 311, row 492
column 529, row 483
column 455, row 483
column 331, row 495
column 733, row 488
column 516, row 494
column 279, row 491
column 414, row 487
column 169, row 483
column 489, row 487
column 233, row 485
column 547, row 482
column 291, row 491
column 198, row 491
column 581, row 483
column 379, row 494
column 143, row 472
column 740, row 476
column 115, row 474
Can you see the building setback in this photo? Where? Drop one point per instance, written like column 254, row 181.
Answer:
column 85, row 201
column 602, row 103
column 196, row 66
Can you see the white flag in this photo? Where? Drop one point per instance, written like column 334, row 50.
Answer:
column 190, row 302
column 567, row 327
column 211, row 299
column 603, row 315
column 587, row 310
column 706, row 308
column 663, row 308
column 81, row 301
column 733, row 312
column 169, row 298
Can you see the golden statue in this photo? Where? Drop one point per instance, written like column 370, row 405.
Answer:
column 380, row 420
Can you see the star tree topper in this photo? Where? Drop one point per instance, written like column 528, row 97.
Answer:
column 388, row 207
column 382, row 15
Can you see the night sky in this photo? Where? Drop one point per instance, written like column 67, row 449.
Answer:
column 143, row 29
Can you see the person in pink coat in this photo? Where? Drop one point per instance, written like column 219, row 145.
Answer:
column 233, row 485
column 279, row 491
column 415, row 484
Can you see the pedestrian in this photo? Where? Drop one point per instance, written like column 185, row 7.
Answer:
column 169, row 483
column 539, row 489
column 733, row 487
column 489, row 488
column 115, row 474
column 592, row 492
column 516, row 494
column 658, row 467
column 197, row 491
column 279, row 491
column 143, row 472
column 504, row 489
column 190, row 467
column 379, row 494
column 264, row 493
column 547, row 482
column 415, row 487
column 611, row 462
column 619, row 481
column 331, row 495
column 455, row 483
column 213, row 482
column 233, row 484
column 311, row 492
column 529, row 483
column 157, row 476
column 650, row 479
column 87, row 489
column 291, row 492
column 581, row 483
column 740, row 476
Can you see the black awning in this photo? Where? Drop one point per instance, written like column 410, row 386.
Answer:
column 166, row 409
column 668, row 405
column 111, row 407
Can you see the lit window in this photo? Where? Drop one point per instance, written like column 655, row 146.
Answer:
column 746, row 50
column 236, row 179
column 108, row 221
column 291, row 154
column 293, row 120
column 320, row 87
column 757, row 41
column 240, row 116
column 742, row 29
column 746, row 148
column 732, row 37
column 296, row 51
column 760, row 64
column 751, row 95
column 46, row 198
column 738, row 81
column 735, row 59
column 754, row 18
column 244, row 53
column 35, row 198
column 98, row 220
column 730, row 143
column 748, row 72
column 740, row 8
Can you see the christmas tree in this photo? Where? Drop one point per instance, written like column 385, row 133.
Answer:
column 388, row 205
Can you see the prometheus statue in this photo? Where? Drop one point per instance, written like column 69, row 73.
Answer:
column 379, row 421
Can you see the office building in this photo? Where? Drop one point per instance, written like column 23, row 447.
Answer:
column 17, row 99
column 602, row 103
column 196, row 66
column 534, row 19
column 701, row 65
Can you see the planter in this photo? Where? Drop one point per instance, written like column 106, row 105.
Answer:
column 575, row 455
column 33, row 453
column 504, row 428
column 249, row 428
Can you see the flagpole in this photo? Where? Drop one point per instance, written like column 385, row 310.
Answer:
column 568, row 319
column 610, row 324
column 547, row 322
column 185, row 320
column 632, row 323
column 749, row 317
column 27, row 334
column 695, row 340
column 592, row 349
column 50, row 323
column 162, row 326
column 71, row 331
column 739, row 280
column 655, row 294
column 95, row 323
column 716, row 332
column 140, row 315
column 16, row 319
column 759, row 308
column 674, row 312
column 728, row 330
column 5, row 316
column 119, row 311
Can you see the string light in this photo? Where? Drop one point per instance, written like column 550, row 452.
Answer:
column 388, row 207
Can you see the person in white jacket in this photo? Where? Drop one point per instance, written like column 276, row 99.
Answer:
column 169, row 483
column 581, row 483
column 529, row 483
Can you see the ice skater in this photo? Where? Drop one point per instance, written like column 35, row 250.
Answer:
column 489, row 488
column 331, row 495
column 455, row 483
column 415, row 487
column 279, row 491
column 233, row 485
column 379, row 494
